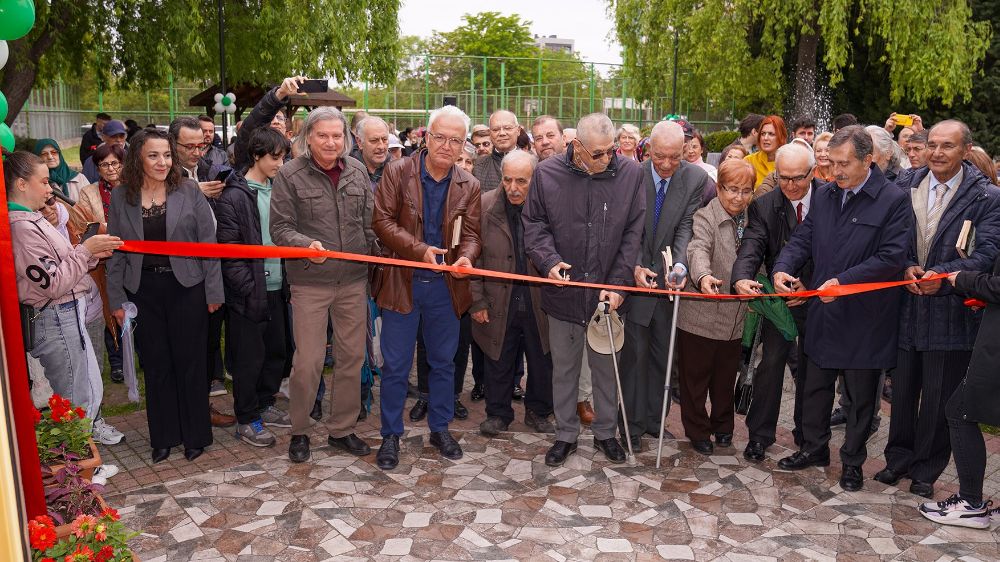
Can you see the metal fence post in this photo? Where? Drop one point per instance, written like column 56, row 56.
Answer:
column 591, row 88
column 503, row 88
column 427, row 87
column 485, row 90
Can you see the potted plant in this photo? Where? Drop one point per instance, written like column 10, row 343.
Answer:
column 100, row 538
column 64, row 430
column 68, row 495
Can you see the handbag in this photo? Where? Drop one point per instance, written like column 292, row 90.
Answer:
column 28, row 316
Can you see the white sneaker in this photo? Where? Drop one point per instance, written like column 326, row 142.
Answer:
column 994, row 515
column 105, row 433
column 104, row 472
column 958, row 512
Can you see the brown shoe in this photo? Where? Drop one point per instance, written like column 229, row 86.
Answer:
column 585, row 411
column 221, row 420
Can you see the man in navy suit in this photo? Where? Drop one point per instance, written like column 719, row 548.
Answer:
column 857, row 231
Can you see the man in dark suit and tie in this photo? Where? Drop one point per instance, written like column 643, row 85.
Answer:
column 773, row 218
column 857, row 231
column 673, row 194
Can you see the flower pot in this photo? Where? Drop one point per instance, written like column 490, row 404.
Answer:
column 87, row 466
column 63, row 531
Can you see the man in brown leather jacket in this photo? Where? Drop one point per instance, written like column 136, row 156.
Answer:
column 426, row 210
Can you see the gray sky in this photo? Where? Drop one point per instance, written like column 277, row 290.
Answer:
column 585, row 21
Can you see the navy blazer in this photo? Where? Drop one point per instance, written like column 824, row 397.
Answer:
column 866, row 241
column 189, row 219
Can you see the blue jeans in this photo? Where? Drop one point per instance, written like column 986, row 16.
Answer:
column 60, row 348
column 432, row 305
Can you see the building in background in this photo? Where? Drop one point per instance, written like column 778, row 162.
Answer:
column 554, row 43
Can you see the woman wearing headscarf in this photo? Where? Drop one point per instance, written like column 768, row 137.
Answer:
column 66, row 179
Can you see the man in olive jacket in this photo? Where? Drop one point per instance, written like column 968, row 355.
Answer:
column 322, row 200
column 583, row 222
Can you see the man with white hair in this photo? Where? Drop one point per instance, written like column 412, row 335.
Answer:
column 372, row 136
column 773, row 218
column 504, row 130
column 508, row 315
column 322, row 200
column 583, row 222
column 673, row 193
column 442, row 227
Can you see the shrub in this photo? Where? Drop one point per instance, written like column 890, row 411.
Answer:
column 718, row 140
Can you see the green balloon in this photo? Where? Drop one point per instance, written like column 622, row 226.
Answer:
column 227, row 101
column 3, row 107
column 6, row 137
column 17, row 17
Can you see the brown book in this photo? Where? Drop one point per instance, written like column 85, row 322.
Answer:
column 966, row 242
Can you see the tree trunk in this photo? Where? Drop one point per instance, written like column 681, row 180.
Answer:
column 804, row 101
column 18, row 76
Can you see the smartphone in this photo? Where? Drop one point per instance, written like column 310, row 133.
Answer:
column 223, row 174
column 903, row 120
column 314, row 86
column 92, row 228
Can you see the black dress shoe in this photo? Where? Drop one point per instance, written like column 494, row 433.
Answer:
column 559, row 452
column 801, row 459
column 117, row 376
column 160, row 455
column 419, row 410
column 704, row 447
column 518, row 392
column 298, row 449
column 350, row 443
column 388, row 454
column 755, row 451
column 193, row 453
column 889, row 476
column 478, row 393
column 317, row 411
column 461, row 412
column 611, row 449
column 446, row 445
column 724, row 439
column 851, row 479
column 838, row 417
column 920, row 488
column 636, row 443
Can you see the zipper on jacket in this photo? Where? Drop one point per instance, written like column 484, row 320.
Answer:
column 604, row 223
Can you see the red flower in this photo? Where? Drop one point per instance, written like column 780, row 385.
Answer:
column 106, row 553
column 81, row 554
column 81, row 413
column 111, row 513
column 61, row 408
column 47, row 560
column 83, row 525
column 36, row 416
column 41, row 536
column 45, row 520
column 101, row 532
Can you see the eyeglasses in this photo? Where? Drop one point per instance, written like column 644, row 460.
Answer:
column 608, row 152
column 737, row 192
column 504, row 128
column 110, row 165
column 199, row 147
column 453, row 142
column 795, row 179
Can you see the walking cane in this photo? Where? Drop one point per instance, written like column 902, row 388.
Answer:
column 667, row 266
column 630, row 459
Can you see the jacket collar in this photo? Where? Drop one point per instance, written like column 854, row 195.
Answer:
column 719, row 214
column 871, row 188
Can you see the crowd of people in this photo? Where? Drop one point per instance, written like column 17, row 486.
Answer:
column 784, row 208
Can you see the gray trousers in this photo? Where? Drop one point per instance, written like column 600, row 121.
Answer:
column 568, row 343
column 644, row 370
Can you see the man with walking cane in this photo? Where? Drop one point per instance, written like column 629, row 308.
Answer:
column 591, row 182
column 673, row 193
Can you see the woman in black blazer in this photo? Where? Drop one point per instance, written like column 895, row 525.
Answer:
column 174, row 295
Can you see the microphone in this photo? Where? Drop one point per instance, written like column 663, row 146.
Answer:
column 58, row 194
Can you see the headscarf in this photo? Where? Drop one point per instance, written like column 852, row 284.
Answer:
column 62, row 173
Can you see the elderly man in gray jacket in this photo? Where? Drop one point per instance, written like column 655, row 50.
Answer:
column 323, row 200
column 583, row 222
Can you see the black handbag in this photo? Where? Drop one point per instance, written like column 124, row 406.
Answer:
column 28, row 316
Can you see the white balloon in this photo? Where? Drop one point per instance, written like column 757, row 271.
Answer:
column 231, row 108
column 4, row 53
column 219, row 108
column 232, row 98
column 218, row 97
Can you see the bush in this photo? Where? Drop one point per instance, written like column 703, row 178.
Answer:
column 718, row 140
column 24, row 143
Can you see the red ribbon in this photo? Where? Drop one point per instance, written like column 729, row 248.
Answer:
column 242, row 251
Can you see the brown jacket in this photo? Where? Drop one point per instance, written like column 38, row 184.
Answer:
column 493, row 295
column 88, row 208
column 712, row 251
column 398, row 223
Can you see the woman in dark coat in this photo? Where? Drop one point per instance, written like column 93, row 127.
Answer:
column 972, row 404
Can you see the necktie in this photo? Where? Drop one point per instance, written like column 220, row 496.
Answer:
column 661, row 193
column 798, row 212
column 847, row 197
column 940, row 190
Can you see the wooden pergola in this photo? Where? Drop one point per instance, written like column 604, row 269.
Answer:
column 247, row 96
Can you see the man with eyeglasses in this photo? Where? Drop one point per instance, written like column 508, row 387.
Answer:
column 583, row 221
column 504, row 130
column 773, row 217
column 481, row 140
column 214, row 155
column 427, row 209
column 858, row 230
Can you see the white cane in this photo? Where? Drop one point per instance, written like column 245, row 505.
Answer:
column 667, row 266
column 618, row 382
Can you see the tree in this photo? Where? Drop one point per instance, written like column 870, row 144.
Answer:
column 929, row 49
column 138, row 43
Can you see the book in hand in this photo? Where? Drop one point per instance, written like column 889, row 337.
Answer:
column 966, row 242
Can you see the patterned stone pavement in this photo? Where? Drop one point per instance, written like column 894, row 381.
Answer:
column 239, row 503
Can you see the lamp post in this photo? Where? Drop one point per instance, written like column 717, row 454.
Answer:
column 673, row 95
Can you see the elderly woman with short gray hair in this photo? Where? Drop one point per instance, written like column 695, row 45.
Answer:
column 627, row 138
column 322, row 200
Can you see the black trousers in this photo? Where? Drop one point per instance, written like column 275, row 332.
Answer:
column 214, row 362
column 172, row 321
column 113, row 343
column 644, row 370
column 970, row 449
column 461, row 358
column 918, row 431
column 817, row 399
column 259, row 353
column 708, row 370
column 762, row 419
column 522, row 333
